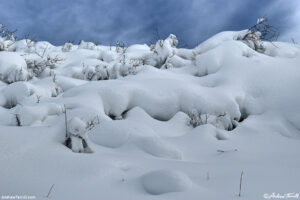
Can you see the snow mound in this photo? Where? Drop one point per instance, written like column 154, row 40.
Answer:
column 15, row 93
column 110, row 136
column 29, row 115
column 165, row 181
column 174, row 127
column 117, row 133
column 159, row 148
column 12, row 67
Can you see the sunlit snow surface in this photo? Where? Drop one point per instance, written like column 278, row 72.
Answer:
column 140, row 100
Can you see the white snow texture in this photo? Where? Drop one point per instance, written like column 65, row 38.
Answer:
column 150, row 122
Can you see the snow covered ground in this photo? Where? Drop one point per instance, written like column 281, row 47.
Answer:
column 155, row 122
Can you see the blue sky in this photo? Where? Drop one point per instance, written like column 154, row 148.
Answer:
column 135, row 21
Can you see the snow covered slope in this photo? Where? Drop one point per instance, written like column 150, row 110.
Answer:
column 157, row 122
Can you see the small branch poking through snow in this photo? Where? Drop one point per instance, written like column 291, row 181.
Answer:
column 66, row 122
column 18, row 120
column 92, row 123
column 54, row 78
column 43, row 53
column 38, row 98
column 50, row 191
column 241, row 179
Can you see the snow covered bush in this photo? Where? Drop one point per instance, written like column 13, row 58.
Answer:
column 87, row 45
column 120, row 47
column 196, row 118
column 107, row 56
column 221, row 121
column 94, row 73
column 77, row 136
column 7, row 38
column 259, row 32
column 38, row 64
column 51, row 62
column 127, row 69
column 252, row 39
column 67, row 47
column 112, row 71
column 162, row 50
column 30, row 43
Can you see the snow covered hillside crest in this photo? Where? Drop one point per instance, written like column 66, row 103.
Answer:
column 156, row 121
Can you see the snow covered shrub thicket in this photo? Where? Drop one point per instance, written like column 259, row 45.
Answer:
column 103, row 72
column 38, row 64
column 94, row 73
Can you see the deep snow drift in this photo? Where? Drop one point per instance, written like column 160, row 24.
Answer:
column 154, row 122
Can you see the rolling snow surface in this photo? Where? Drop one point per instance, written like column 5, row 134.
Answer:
column 160, row 122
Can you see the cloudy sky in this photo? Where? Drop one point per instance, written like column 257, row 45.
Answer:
column 141, row 21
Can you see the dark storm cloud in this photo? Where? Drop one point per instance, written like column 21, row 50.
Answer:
column 135, row 21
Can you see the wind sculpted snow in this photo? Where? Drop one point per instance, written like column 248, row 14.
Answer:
column 160, row 122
